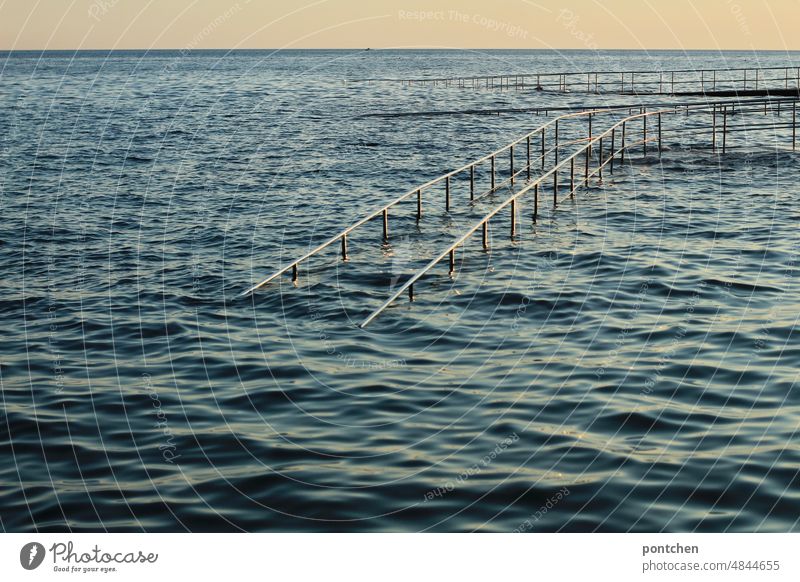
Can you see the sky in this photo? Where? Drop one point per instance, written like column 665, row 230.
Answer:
column 564, row 24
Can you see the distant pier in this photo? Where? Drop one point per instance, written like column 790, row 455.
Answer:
column 711, row 82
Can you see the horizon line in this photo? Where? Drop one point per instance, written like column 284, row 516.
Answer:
column 364, row 49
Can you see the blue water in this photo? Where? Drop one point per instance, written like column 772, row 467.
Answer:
column 627, row 363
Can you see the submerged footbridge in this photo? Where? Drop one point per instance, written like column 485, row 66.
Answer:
column 728, row 82
column 555, row 161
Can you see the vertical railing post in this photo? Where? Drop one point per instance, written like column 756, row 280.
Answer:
column 472, row 182
column 644, row 133
column 386, row 222
column 543, row 148
column 419, row 204
column 724, row 129
column 344, row 247
column 794, row 127
column 659, row 135
column 447, row 193
column 411, row 292
column 294, row 273
column 613, row 131
column 600, row 159
column 555, row 147
column 513, row 218
column 493, row 177
column 528, row 151
column 714, row 129
column 555, row 187
column 572, row 176
column 622, row 148
column 485, row 235
column 511, row 162
column 586, row 168
column 535, row 202
column 590, row 134
column 452, row 260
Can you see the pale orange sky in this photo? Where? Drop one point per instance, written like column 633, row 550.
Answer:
column 593, row 24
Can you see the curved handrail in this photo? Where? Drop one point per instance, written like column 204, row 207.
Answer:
column 419, row 189
column 534, row 184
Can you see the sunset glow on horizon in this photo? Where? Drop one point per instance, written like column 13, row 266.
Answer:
column 508, row 24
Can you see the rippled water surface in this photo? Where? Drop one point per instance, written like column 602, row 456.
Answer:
column 628, row 362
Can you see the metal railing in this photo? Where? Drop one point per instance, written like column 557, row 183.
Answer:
column 626, row 82
column 534, row 187
column 532, row 157
column 604, row 158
